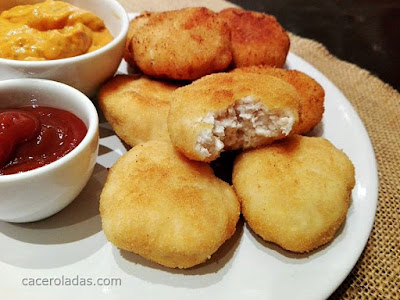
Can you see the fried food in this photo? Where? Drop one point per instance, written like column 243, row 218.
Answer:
column 166, row 208
column 311, row 92
column 137, row 107
column 257, row 38
column 295, row 192
column 228, row 111
column 182, row 44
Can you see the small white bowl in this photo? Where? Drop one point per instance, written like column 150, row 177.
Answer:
column 42, row 192
column 84, row 72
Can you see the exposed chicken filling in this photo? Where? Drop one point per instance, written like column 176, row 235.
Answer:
column 245, row 124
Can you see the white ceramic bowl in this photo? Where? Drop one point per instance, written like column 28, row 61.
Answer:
column 84, row 72
column 42, row 192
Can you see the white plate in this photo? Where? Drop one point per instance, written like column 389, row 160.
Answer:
column 47, row 259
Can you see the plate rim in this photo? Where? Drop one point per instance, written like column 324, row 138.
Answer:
column 373, row 188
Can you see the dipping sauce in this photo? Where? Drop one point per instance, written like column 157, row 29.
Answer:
column 31, row 137
column 50, row 30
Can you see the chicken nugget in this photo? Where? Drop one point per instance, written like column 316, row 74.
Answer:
column 166, row 208
column 257, row 38
column 137, row 107
column 182, row 44
column 295, row 192
column 229, row 111
column 311, row 92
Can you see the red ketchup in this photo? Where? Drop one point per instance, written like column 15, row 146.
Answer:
column 31, row 137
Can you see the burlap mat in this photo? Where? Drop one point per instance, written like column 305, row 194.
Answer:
column 377, row 272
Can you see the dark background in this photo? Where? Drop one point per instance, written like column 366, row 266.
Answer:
column 366, row 33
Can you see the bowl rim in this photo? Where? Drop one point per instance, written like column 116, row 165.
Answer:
column 51, row 63
column 87, row 106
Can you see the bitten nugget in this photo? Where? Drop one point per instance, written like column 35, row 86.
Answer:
column 166, row 208
column 295, row 192
column 182, row 44
column 229, row 111
column 311, row 92
column 137, row 107
column 257, row 38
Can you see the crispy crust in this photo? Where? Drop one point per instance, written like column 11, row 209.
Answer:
column 311, row 92
column 215, row 93
column 182, row 44
column 137, row 107
column 295, row 192
column 256, row 38
column 158, row 204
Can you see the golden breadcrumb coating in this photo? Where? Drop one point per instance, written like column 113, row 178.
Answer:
column 295, row 192
column 183, row 44
column 257, row 38
column 137, row 107
column 166, row 208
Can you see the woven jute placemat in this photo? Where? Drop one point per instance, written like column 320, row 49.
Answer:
column 377, row 272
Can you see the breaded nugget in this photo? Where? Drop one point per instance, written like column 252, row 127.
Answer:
column 311, row 92
column 256, row 38
column 166, row 208
column 181, row 44
column 228, row 111
column 295, row 192
column 137, row 107
column 133, row 25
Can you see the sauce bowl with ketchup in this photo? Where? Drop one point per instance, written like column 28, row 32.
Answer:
column 48, row 147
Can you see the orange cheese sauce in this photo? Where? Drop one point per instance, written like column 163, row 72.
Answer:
column 50, row 30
